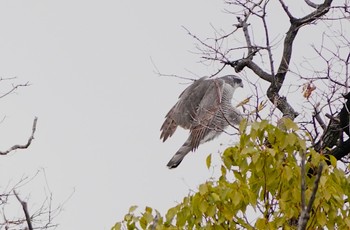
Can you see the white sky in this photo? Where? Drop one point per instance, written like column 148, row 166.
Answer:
column 99, row 103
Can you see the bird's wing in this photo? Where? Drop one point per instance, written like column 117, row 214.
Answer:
column 207, row 110
column 183, row 112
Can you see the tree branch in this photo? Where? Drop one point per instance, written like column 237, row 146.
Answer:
column 25, row 210
column 296, row 24
column 305, row 213
column 14, row 87
column 311, row 4
column 321, row 10
column 341, row 150
column 248, row 61
column 285, row 8
column 303, row 184
column 30, row 139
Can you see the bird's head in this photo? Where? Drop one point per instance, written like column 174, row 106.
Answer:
column 233, row 81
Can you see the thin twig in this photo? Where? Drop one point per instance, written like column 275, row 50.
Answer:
column 14, row 87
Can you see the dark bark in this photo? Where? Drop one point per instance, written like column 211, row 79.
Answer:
column 277, row 79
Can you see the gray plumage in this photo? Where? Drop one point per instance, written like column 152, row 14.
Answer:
column 205, row 109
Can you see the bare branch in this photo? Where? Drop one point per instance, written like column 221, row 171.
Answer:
column 285, row 8
column 25, row 210
column 156, row 71
column 318, row 118
column 30, row 139
column 14, row 87
column 244, row 25
column 303, row 185
column 247, row 62
column 311, row 4
column 305, row 213
column 321, row 10
column 273, row 90
column 267, row 37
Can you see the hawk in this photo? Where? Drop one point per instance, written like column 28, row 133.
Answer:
column 205, row 109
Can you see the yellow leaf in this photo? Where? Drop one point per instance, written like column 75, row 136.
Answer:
column 333, row 160
column 243, row 126
column 148, row 209
column 208, row 161
column 215, row 196
column 117, row 226
column 290, row 139
column 321, row 218
column 262, row 105
column 203, row 189
column 260, row 223
column 132, row 208
column 289, row 124
column 245, row 101
column 211, row 210
column 203, row 206
column 171, row 213
column 236, row 199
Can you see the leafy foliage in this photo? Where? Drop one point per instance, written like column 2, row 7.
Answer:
column 260, row 175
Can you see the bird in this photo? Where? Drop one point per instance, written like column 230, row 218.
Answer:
column 205, row 109
column 344, row 115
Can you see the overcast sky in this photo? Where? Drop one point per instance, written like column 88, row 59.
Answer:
column 100, row 104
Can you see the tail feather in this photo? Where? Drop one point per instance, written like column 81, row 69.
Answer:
column 168, row 128
column 179, row 155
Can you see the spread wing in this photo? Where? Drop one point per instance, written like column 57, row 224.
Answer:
column 184, row 111
column 207, row 111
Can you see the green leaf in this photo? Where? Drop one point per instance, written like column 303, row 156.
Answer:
column 266, row 178
column 227, row 213
column 203, row 189
column 289, row 124
column 237, row 198
column 288, row 172
column 147, row 218
column 208, row 161
column 148, row 209
column 347, row 222
column 243, row 126
column 215, row 196
column 117, row 226
column 211, row 210
column 255, row 158
column 333, row 160
column 260, row 223
column 223, row 170
column 255, row 126
column 171, row 213
column 128, row 217
column 203, row 206
column 321, row 218
column 132, row 208
column 143, row 223
column 290, row 138
column 248, row 150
